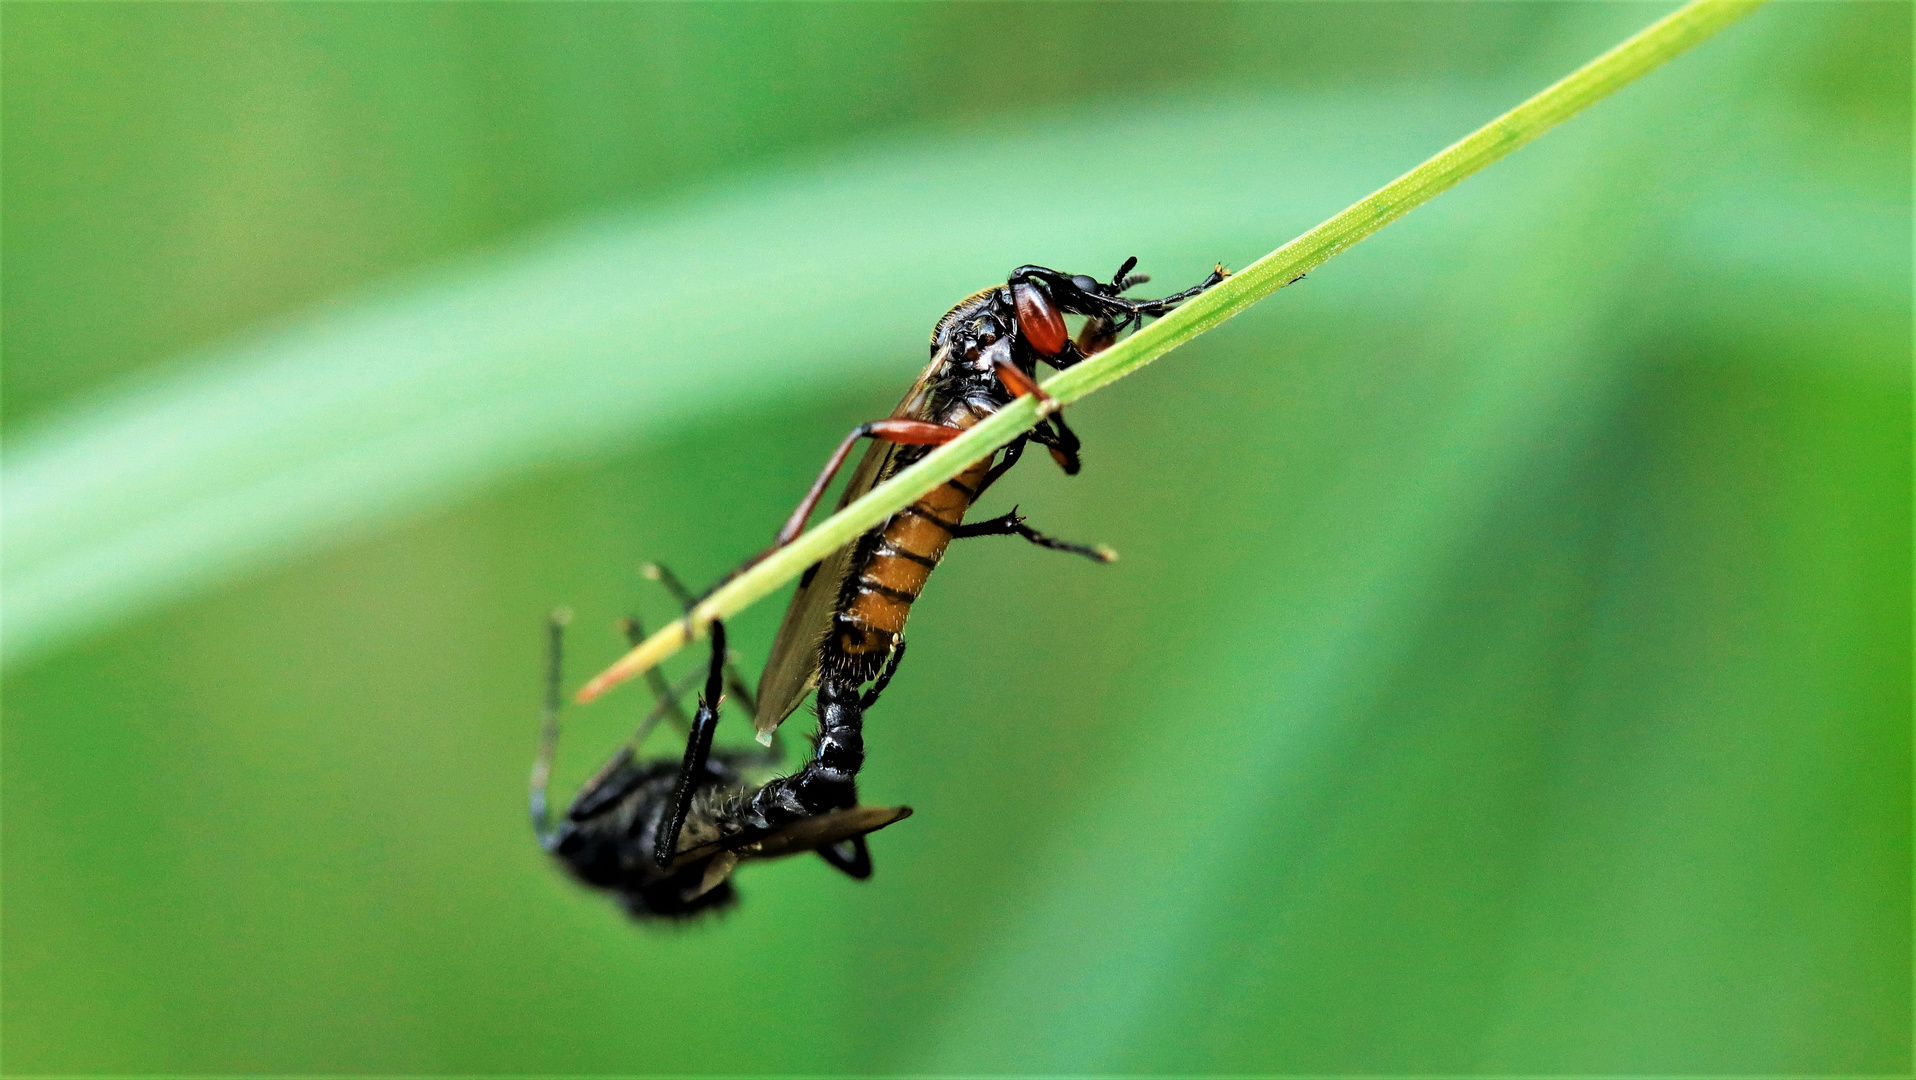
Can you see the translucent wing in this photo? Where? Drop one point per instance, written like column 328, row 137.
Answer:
column 806, row 834
column 792, row 668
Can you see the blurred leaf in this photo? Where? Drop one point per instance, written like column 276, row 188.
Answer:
column 601, row 332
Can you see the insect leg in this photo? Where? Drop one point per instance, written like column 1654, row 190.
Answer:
column 851, row 856
column 686, row 685
column 1100, row 299
column 549, row 731
column 665, row 695
column 734, row 682
column 1061, row 441
column 774, row 751
column 1109, row 314
column 1051, row 431
column 1013, row 524
column 1164, row 304
column 1100, row 332
column 1021, row 384
column 698, row 747
column 1013, row 452
column 906, row 432
column 884, row 677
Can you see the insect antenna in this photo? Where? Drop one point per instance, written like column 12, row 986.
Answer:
column 549, row 729
column 1120, row 281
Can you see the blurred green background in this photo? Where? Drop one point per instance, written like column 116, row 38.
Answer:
column 1508, row 669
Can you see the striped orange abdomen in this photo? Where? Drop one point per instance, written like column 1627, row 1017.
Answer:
column 906, row 552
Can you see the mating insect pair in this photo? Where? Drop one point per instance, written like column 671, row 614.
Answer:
column 666, row 839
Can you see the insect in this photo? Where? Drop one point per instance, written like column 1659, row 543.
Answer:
column 665, row 840
column 845, row 623
column 665, row 835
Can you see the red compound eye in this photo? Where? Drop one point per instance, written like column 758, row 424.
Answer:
column 1042, row 325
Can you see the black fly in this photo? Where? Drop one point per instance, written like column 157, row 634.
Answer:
column 665, row 835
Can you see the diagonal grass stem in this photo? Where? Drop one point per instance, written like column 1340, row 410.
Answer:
column 1636, row 56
